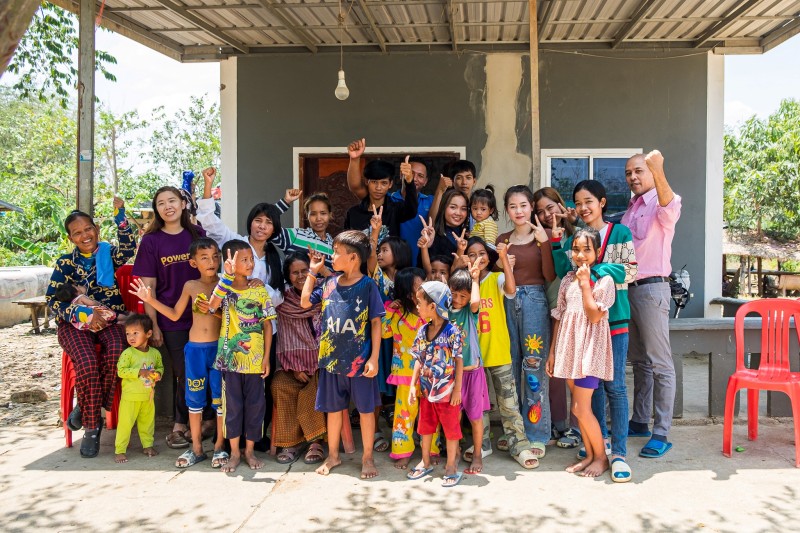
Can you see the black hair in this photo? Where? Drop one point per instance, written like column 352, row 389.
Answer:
column 75, row 215
column 400, row 250
column 355, row 242
column 158, row 222
column 141, row 320
column 268, row 210
column 491, row 252
column 446, row 259
column 462, row 165
column 426, row 297
column 291, row 258
column 202, row 243
column 404, row 287
column 439, row 222
column 233, row 246
column 66, row 292
column 460, row 280
column 593, row 187
column 379, row 169
column 317, row 197
column 518, row 189
column 419, row 161
column 486, row 197
column 591, row 235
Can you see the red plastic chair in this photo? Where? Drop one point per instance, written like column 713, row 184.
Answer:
column 773, row 372
column 124, row 279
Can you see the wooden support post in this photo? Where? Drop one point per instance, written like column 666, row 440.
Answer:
column 536, row 142
column 760, row 279
column 85, row 183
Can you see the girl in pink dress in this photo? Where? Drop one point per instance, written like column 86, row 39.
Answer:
column 582, row 353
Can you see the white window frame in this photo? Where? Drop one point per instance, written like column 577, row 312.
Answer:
column 593, row 153
column 302, row 151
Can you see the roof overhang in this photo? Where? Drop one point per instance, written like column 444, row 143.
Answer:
column 210, row 30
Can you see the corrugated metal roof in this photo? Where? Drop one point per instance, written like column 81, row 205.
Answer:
column 213, row 29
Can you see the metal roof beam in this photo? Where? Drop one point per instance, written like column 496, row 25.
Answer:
column 644, row 8
column 546, row 16
column 780, row 35
column 373, row 26
column 452, row 23
column 271, row 6
column 184, row 13
column 729, row 19
column 130, row 29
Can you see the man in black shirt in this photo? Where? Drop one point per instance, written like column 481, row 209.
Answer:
column 378, row 175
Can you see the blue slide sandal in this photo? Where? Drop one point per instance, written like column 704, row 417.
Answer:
column 655, row 449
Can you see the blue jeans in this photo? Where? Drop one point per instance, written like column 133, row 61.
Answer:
column 528, row 319
column 617, row 393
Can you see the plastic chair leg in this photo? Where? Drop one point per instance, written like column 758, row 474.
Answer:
column 752, row 413
column 67, row 395
column 347, row 433
column 794, row 396
column 727, row 421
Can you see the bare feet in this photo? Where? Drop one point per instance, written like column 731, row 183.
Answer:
column 368, row 470
column 596, row 468
column 402, row 463
column 476, row 466
column 579, row 466
column 231, row 465
column 329, row 464
column 150, row 452
column 120, row 458
column 254, row 462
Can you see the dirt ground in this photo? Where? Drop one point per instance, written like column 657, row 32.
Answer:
column 29, row 361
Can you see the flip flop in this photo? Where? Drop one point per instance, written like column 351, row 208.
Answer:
column 176, row 440
column 219, row 458
column 419, row 472
column 655, row 449
column 191, row 459
column 620, row 471
column 457, row 477
column 469, row 451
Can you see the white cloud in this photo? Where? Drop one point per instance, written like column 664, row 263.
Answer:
column 737, row 112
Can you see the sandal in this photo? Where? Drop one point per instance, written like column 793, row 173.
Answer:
column 219, row 458
column 469, row 451
column 315, row 454
column 419, row 472
column 571, row 438
column 620, row 471
column 90, row 444
column 452, row 480
column 540, row 447
column 381, row 444
column 289, row 455
column 502, row 443
column 523, row 458
column 74, row 421
column 655, row 449
column 191, row 459
column 176, row 440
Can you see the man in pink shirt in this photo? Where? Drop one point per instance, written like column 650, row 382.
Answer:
column 652, row 214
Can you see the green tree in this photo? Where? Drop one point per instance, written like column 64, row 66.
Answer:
column 114, row 137
column 189, row 140
column 45, row 62
column 762, row 174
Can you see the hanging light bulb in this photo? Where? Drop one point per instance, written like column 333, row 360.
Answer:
column 341, row 92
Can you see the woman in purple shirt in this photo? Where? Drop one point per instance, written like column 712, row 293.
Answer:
column 163, row 264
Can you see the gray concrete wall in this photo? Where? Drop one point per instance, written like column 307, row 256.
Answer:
column 482, row 102
column 591, row 102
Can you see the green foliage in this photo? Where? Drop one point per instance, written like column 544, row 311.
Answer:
column 762, row 174
column 45, row 62
column 187, row 141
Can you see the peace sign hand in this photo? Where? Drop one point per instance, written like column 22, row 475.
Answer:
column 461, row 242
column 377, row 219
column 474, row 268
column 230, row 262
column 316, row 261
column 427, row 233
column 538, row 230
column 557, row 231
column 405, row 170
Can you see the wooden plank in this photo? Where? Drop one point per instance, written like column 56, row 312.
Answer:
column 726, row 22
column 203, row 24
column 373, row 25
column 626, row 30
column 536, row 141
column 84, row 158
